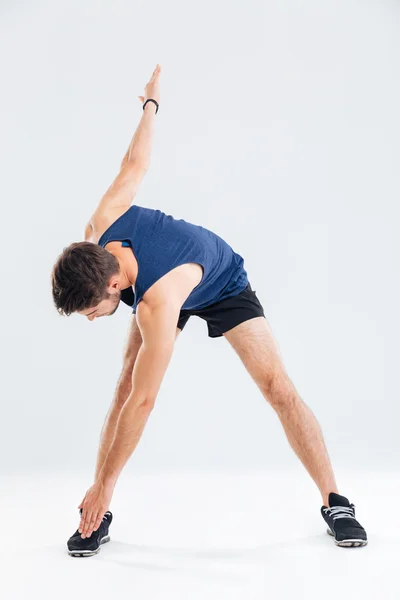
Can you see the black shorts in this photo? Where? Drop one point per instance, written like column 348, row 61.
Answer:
column 225, row 314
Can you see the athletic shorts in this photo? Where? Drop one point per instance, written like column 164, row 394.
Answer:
column 226, row 314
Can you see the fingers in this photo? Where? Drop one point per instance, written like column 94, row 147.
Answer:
column 98, row 521
column 85, row 519
column 94, row 524
column 90, row 522
column 156, row 71
column 88, row 526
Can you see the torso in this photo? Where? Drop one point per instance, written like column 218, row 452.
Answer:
column 179, row 281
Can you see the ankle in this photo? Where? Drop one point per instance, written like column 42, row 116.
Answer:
column 325, row 496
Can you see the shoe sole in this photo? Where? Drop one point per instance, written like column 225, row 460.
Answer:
column 348, row 543
column 103, row 540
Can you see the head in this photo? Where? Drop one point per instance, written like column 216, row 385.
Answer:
column 86, row 280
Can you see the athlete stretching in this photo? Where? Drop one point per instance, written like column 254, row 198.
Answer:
column 177, row 269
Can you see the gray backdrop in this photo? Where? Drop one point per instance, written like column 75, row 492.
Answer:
column 279, row 130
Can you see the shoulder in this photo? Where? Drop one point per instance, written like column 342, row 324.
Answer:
column 173, row 288
column 100, row 222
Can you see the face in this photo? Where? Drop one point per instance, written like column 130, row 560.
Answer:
column 105, row 308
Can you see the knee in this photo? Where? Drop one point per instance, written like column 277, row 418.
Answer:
column 279, row 391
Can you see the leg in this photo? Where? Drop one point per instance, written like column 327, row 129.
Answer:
column 254, row 343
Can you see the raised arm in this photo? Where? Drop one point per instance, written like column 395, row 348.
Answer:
column 140, row 147
column 136, row 161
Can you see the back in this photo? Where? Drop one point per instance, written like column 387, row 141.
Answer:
column 160, row 243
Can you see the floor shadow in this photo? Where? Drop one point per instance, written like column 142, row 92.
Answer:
column 196, row 560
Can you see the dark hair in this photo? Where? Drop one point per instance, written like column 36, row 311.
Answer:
column 80, row 277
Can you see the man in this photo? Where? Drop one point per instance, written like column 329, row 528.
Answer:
column 177, row 269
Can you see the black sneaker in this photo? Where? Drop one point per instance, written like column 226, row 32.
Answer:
column 342, row 523
column 78, row 546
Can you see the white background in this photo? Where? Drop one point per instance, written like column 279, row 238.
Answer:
column 279, row 130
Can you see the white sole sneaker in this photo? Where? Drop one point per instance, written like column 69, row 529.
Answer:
column 348, row 543
column 103, row 540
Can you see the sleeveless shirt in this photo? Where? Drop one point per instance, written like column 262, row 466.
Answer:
column 160, row 243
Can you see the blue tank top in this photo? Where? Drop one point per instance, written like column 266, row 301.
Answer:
column 160, row 243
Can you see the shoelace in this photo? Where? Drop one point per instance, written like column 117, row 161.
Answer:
column 341, row 512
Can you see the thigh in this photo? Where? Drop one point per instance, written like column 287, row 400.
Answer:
column 258, row 349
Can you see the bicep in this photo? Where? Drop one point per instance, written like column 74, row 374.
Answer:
column 123, row 189
column 158, row 331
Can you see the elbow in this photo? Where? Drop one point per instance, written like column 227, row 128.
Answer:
column 149, row 405
column 147, row 402
column 143, row 403
column 136, row 164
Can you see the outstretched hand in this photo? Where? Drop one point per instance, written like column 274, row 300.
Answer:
column 95, row 503
column 152, row 89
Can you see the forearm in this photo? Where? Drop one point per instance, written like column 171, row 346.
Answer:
column 140, row 147
column 130, row 424
column 158, row 329
column 123, row 390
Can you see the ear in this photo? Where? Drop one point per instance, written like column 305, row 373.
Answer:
column 114, row 284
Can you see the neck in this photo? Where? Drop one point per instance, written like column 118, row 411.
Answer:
column 126, row 278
